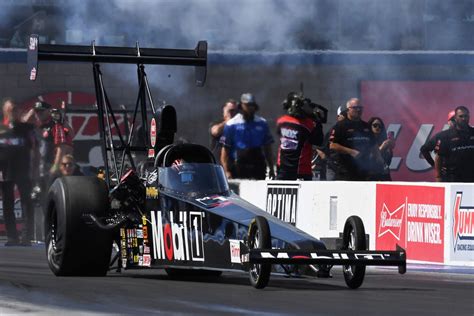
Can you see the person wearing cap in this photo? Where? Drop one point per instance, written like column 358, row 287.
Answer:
column 355, row 144
column 15, row 170
column 246, row 142
column 455, row 150
column 298, row 132
column 430, row 144
column 229, row 110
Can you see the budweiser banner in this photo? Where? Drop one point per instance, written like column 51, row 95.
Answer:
column 414, row 111
column 413, row 217
column 462, row 223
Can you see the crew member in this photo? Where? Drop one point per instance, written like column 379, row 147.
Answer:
column 430, row 145
column 298, row 131
column 456, row 149
column 355, row 144
column 247, row 141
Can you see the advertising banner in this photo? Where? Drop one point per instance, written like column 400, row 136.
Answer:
column 282, row 201
column 412, row 217
column 414, row 111
column 462, row 223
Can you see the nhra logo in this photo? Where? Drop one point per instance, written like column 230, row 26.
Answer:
column 180, row 241
column 463, row 221
column 282, row 200
column 391, row 222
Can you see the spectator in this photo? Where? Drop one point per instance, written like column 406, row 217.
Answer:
column 247, row 142
column 430, row 144
column 298, row 131
column 456, row 149
column 16, row 171
column 67, row 167
column 354, row 142
column 381, row 172
column 229, row 110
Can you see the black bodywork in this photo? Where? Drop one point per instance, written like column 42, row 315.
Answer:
column 174, row 209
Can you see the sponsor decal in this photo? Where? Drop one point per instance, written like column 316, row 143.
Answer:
column 153, row 132
column 413, row 217
column 146, row 260
column 33, row 43
column 33, row 74
column 151, row 153
column 139, row 233
column 234, row 246
column 213, row 201
column 282, row 201
column 177, row 241
column 151, row 192
column 462, row 226
column 152, row 177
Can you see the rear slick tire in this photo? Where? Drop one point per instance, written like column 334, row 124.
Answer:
column 259, row 238
column 72, row 247
column 354, row 239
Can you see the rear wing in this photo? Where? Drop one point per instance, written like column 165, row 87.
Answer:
column 124, row 55
column 161, row 134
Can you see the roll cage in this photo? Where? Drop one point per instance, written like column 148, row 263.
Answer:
column 117, row 153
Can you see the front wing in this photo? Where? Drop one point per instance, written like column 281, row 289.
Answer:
column 325, row 257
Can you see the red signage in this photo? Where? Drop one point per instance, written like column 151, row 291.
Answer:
column 414, row 111
column 412, row 217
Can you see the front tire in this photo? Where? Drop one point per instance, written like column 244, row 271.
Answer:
column 354, row 239
column 259, row 238
column 72, row 247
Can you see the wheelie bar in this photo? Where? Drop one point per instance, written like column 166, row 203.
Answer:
column 327, row 257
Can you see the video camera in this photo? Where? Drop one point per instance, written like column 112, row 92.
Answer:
column 297, row 105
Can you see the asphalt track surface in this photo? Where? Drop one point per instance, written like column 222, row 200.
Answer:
column 27, row 286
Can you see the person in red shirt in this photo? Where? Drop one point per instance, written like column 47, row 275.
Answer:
column 298, row 131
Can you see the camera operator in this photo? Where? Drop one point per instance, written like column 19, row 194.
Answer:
column 298, row 130
column 15, row 167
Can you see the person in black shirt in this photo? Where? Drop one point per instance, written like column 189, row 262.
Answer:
column 456, row 150
column 354, row 141
column 298, row 131
column 385, row 143
column 16, row 171
column 329, row 158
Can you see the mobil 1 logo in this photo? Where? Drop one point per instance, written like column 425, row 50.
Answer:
column 178, row 239
column 282, row 200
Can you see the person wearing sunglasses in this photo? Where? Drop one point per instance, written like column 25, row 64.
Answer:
column 385, row 143
column 355, row 144
column 455, row 150
column 67, row 167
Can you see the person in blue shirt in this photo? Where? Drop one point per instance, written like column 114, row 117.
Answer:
column 246, row 143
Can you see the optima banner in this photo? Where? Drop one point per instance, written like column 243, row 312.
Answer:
column 282, row 201
column 413, row 217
